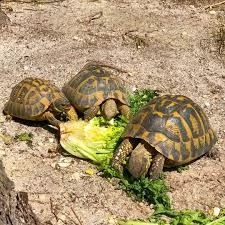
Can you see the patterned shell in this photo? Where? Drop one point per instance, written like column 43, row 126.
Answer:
column 31, row 97
column 93, row 85
column 175, row 126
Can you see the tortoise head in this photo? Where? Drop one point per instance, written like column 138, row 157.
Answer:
column 62, row 105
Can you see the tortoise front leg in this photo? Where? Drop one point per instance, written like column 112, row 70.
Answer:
column 109, row 109
column 91, row 112
column 139, row 161
column 157, row 166
column 72, row 114
column 125, row 110
column 119, row 157
column 51, row 118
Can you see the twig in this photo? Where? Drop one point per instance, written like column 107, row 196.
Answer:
column 214, row 5
column 35, row 1
column 78, row 219
column 53, row 210
column 103, row 64
column 95, row 16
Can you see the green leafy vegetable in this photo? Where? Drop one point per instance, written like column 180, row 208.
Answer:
column 185, row 217
column 24, row 137
column 89, row 140
column 140, row 97
column 152, row 191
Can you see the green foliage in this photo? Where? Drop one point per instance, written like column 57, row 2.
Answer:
column 152, row 191
column 140, row 97
column 185, row 217
column 182, row 168
column 6, row 138
column 24, row 137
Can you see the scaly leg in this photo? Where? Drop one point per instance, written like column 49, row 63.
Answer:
column 109, row 109
column 91, row 113
column 51, row 118
column 139, row 161
column 125, row 110
column 119, row 157
column 157, row 166
column 72, row 114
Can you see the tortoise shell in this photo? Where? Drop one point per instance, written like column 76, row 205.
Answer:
column 175, row 126
column 30, row 98
column 92, row 86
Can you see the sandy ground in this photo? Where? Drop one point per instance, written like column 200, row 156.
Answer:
column 163, row 45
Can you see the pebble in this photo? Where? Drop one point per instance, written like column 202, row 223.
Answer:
column 2, row 153
column 216, row 211
column 212, row 12
column 64, row 162
column 26, row 67
column 2, row 119
column 51, row 140
column 43, row 198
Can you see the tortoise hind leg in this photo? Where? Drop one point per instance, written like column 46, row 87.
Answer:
column 91, row 112
column 157, row 166
column 51, row 118
column 122, row 151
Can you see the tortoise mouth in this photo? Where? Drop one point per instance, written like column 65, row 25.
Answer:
column 67, row 108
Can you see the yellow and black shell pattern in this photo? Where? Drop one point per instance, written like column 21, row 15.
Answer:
column 92, row 86
column 175, row 126
column 30, row 98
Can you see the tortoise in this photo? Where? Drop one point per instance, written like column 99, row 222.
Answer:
column 38, row 99
column 96, row 91
column 170, row 130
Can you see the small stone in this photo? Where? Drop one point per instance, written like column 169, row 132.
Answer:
column 207, row 104
column 212, row 12
column 2, row 119
column 64, row 162
column 43, row 198
column 133, row 89
column 53, row 165
column 216, row 211
column 51, row 140
column 26, row 67
column 2, row 153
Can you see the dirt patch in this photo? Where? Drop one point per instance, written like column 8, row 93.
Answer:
column 177, row 54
